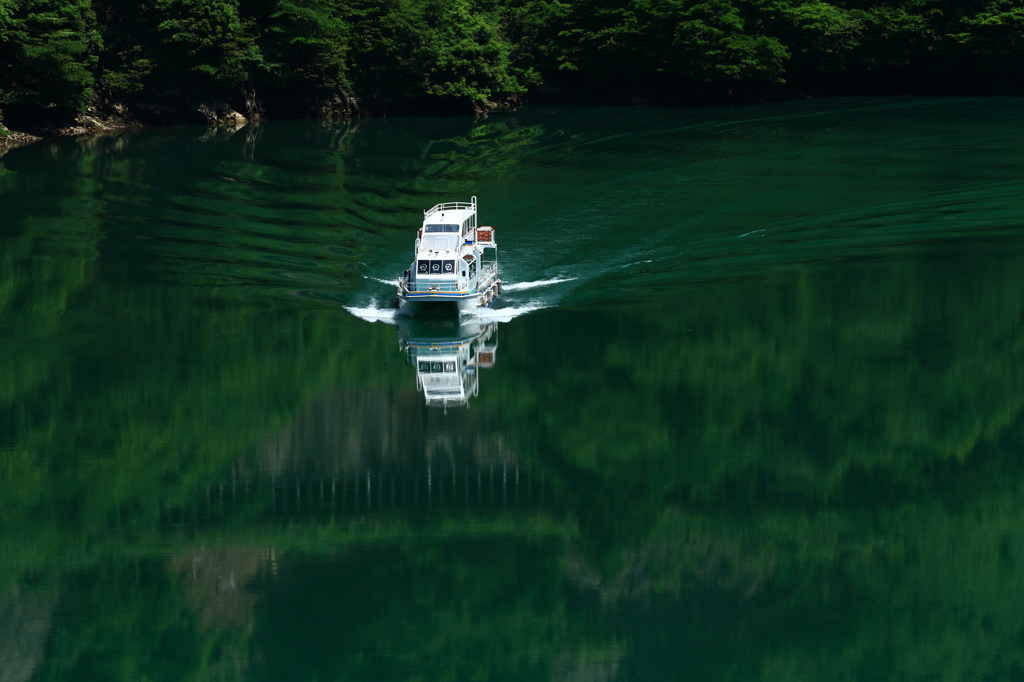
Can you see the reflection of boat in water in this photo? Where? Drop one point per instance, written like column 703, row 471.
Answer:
column 450, row 270
column 448, row 355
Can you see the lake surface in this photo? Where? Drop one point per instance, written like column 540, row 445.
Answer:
column 751, row 407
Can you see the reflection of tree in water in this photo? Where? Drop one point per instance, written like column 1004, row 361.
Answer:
column 461, row 609
column 726, row 528
column 802, row 473
column 25, row 620
column 833, row 447
column 382, row 429
column 217, row 582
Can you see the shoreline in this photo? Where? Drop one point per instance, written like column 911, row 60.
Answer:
column 119, row 117
column 32, row 125
column 9, row 139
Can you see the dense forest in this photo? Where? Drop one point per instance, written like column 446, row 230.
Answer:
column 163, row 60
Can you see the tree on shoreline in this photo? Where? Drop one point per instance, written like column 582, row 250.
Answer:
column 295, row 56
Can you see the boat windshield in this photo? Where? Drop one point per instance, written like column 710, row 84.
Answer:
column 442, row 228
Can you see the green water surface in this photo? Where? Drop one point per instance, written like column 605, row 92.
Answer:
column 753, row 410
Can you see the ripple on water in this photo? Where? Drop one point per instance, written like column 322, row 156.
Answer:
column 590, row 205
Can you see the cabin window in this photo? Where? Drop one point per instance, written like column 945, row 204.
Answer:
column 472, row 269
column 442, row 228
column 435, row 267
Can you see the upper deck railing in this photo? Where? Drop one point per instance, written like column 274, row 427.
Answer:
column 452, row 206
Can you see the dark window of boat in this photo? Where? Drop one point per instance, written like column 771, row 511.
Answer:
column 422, row 267
column 442, row 228
column 449, row 366
column 435, row 267
column 436, row 367
column 424, row 366
column 449, row 267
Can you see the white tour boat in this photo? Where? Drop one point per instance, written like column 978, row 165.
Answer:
column 451, row 267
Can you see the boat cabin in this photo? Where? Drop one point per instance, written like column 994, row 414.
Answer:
column 446, row 229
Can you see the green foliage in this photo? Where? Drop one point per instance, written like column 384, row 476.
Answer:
column 436, row 48
column 307, row 42
column 130, row 77
column 998, row 31
column 7, row 9
column 995, row 37
column 207, row 37
column 305, row 53
column 825, row 36
column 713, row 42
column 893, row 38
column 468, row 55
column 48, row 52
column 386, row 47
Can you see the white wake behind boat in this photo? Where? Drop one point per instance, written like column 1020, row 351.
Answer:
column 456, row 262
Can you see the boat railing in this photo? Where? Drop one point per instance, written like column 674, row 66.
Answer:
column 427, row 286
column 452, row 206
column 488, row 273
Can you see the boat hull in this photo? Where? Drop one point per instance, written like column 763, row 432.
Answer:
column 423, row 306
column 441, row 304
